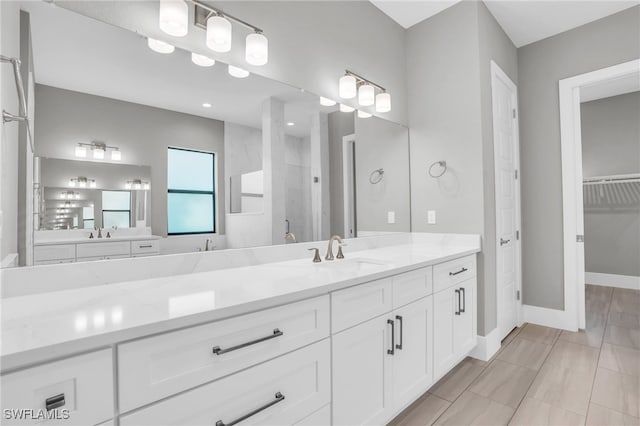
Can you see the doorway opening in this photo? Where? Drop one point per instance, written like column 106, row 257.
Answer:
column 349, row 185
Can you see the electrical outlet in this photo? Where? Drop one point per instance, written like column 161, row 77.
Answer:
column 391, row 217
column 431, row 217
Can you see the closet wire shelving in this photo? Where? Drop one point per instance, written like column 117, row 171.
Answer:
column 612, row 191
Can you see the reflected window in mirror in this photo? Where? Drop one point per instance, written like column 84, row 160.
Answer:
column 88, row 218
column 116, row 209
column 191, row 192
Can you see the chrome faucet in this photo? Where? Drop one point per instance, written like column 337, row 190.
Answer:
column 329, row 255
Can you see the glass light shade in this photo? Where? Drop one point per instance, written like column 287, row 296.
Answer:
column 146, row 186
column 326, row 101
column 116, row 155
column 98, row 153
column 72, row 183
column 77, row 196
column 82, row 184
column 160, row 46
column 127, row 185
column 219, row 34
column 81, row 151
column 383, row 102
column 238, row 72
column 257, row 49
column 347, row 87
column 137, row 186
column 366, row 95
column 174, row 17
column 362, row 114
column 201, row 60
column 92, row 184
column 346, row 108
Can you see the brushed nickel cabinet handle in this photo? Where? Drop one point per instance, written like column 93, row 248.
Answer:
column 399, row 345
column 458, row 308
column 393, row 338
column 279, row 398
column 451, row 274
column 464, row 300
column 219, row 351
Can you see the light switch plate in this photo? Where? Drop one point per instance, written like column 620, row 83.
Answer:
column 391, row 217
column 431, row 217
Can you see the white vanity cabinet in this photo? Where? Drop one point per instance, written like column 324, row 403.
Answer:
column 104, row 249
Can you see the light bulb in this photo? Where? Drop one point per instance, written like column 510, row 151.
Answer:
column 72, row 183
column 98, row 153
column 138, row 185
column 257, row 49
column 219, row 34
column 77, row 196
column 82, row 184
column 366, row 95
column 326, row 101
column 238, row 72
column 81, row 151
column 362, row 114
column 346, row 108
column 201, row 60
column 116, row 155
column 160, row 46
column 147, row 186
column 347, row 87
column 92, row 184
column 383, row 102
column 174, row 17
column 127, row 185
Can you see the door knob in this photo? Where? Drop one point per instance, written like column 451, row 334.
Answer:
column 503, row 242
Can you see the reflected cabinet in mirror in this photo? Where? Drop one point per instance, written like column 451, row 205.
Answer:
column 143, row 144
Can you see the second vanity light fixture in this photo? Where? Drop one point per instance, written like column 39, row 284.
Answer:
column 352, row 85
column 99, row 150
column 82, row 182
column 174, row 17
column 137, row 184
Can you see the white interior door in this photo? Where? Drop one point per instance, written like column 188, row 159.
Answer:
column 505, row 139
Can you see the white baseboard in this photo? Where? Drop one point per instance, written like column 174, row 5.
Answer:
column 554, row 318
column 487, row 346
column 612, row 280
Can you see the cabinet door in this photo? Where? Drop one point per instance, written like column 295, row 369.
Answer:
column 413, row 361
column 362, row 373
column 445, row 305
column 464, row 325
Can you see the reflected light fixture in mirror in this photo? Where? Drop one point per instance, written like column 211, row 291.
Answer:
column 257, row 49
column 362, row 114
column 383, row 102
column 160, row 46
column 174, row 17
column 137, row 184
column 346, row 108
column 238, row 72
column 366, row 95
column 347, row 88
column 219, row 34
column 116, row 155
column 202, row 60
column 98, row 149
column 326, row 101
column 82, row 182
column 98, row 152
column 81, row 151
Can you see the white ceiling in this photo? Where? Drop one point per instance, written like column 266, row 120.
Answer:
column 77, row 53
column 524, row 21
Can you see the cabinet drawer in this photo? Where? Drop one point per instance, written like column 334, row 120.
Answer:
column 360, row 303
column 412, row 286
column 160, row 366
column 145, row 247
column 82, row 384
column 288, row 389
column 322, row 417
column 104, row 249
column 453, row 272
column 54, row 252
column 54, row 262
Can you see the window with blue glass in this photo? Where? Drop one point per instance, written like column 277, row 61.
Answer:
column 191, row 192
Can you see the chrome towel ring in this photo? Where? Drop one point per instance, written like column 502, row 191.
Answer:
column 443, row 166
column 376, row 176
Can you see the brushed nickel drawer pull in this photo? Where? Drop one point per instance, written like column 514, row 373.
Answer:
column 451, row 274
column 219, row 351
column 146, row 246
column 279, row 398
column 54, row 402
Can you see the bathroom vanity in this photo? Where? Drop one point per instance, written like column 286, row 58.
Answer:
column 344, row 342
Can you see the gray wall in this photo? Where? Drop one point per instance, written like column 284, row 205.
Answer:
column 611, row 146
column 608, row 41
column 142, row 133
column 450, row 119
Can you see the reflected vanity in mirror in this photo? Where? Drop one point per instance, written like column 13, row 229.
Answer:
column 266, row 160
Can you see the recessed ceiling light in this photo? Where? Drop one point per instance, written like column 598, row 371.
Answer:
column 206, row 105
column 291, row 123
column 160, row 46
column 326, row 101
column 238, row 72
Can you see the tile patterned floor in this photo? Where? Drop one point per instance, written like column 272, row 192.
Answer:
column 544, row 376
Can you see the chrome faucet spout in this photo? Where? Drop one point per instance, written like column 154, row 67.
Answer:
column 329, row 255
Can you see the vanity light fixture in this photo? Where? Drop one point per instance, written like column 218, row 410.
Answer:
column 82, row 182
column 352, row 83
column 137, row 184
column 69, row 195
column 238, row 72
column 81, row 151
column 201, row 60
column 346, row 108
column 219, row 33
column 362, row 114
column 326, row 101
column 160, row 46
column 174, row 17
column 99, row 149
column 116, row 155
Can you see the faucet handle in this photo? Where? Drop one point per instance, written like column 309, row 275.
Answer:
column 316, row 256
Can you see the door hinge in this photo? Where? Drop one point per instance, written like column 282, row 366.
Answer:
column 517, row 235
column 518, row 295
column 580, row 238
column 514, row 113
column 516, row 174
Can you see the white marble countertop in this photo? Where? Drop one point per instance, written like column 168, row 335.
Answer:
column 87, row 240
column 40, row 327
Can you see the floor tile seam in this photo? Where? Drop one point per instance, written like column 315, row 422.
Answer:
column 606, row 321
column 614, row 410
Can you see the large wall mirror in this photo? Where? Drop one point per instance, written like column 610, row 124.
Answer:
column 191, row 154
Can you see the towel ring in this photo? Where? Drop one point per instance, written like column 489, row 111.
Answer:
column 440, row 163
column 376, row 176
